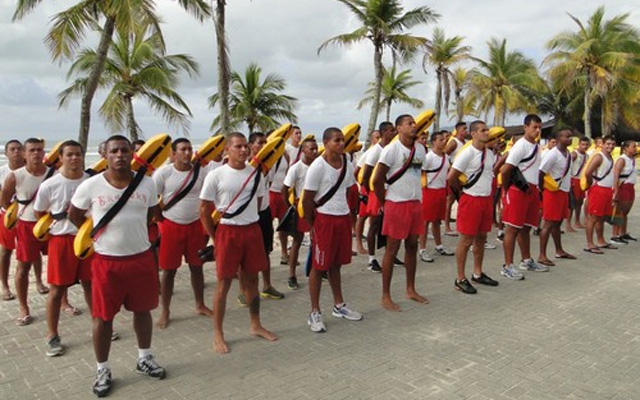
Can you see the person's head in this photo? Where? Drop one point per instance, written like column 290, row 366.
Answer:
column 257, row 140
column 296, row 135
column 461, row 130
column 14, row 151
column 552, row 142
column 71, row 155
column 479, row 131
column 137, row 144
column 119, row 153
column 423, row 138
column 628, row 148
column 406, row 126
column 34, row 151
column 375, row 137
column 309, row 150
column 181, row 151
column 532, row 127
column 333, row 140
column 608, row 144
column 102, row 149
column 598, row 142
column 438, row 141
column 387, row 132
column 583, row 144
column 563, row 138
column 236, row 148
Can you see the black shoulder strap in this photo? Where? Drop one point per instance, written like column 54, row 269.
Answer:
column 599, row 178
column 327, row 196
column 243, row 207
column 26, row 202
column 430, row 171
column 175, row 199
column 115, row 209
column 476, row 177
column 394, row 178
column 530, row 156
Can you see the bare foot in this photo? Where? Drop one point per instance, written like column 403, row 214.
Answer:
column 263, row 333
column 204, row 310
column 362, row 250
column 579, row 226
column 416, row 297
column 219, row 345
column 571, row 230
column 388, row 304
column 163, row 321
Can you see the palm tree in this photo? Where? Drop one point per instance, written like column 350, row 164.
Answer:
column 460, row 78
column 600, row 56
column 136, row 66
column 506, row 82
column 383, row 22
column 258, row 103
column 224, row 69
column 394, row 90
column 70, row 27
column 442, row 53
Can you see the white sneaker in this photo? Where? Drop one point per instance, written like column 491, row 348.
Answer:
column 489, row 246
column 511, row 272
column 315, row 322
column 430, row 237
column 344, row 312
column 424, row 256
column 444, row 252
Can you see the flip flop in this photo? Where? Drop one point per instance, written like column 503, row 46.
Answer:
column 595, row 250
column 451, row 233
column 608, row 246
column 548, row 263
column 566, row 256
column 72, row 311
column 24, row 321
column 8, row 296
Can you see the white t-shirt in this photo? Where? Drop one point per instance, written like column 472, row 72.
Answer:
column 555, row 164
column 4, row 171
column 55, row 196
column 321, row 177
column 224, row 183
column 373, row 155
column 458, row 149
column 278, row 172
column 521, row 150
column 440, row 166
column 295, row 153
column 577, row 166
column 170, row 182
column 408, row 187
column 296, row 176
column 127, row 233
column 629, row 169
column 26, row 186
column 468, row 161
column 606, row 167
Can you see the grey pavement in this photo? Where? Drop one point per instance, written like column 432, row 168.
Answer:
column 571, row 333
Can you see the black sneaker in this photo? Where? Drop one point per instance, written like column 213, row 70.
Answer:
column 293, row 283
column 374, row 266
column 148, row 366
column 102, row 385
column 464, row 286
column 484, row 279
column 500, row 237
column 618, row 240
column 397, row 261
column 628, row 237
column 325, row 275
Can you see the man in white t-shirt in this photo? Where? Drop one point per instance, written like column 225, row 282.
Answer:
column 579, row 159
column 235, row 190
column 327, row 211
column 521, row 210
column 555, row 203
column 400, row 169
column 475, row 205
column 454, row 146
column 181, row 231
column 123, row 267
column 293, row 148
column 64, row 269
column 363, row 214
column 294, row 180
column 14, row 152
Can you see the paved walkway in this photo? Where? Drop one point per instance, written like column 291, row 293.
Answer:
column 568, row 334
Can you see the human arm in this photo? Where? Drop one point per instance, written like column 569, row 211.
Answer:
column 379, row 180
column 206, row 209
column 8, row 189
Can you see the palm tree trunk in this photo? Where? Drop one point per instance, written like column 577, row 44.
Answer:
column 459, row 107
column 587, row 109
column 436, row 123
column 223, row 66
column 132, row 127
column 375, row 108
column 388, row 110
column 94, row 79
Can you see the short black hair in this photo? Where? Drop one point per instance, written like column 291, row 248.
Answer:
column 235, row 135
column 328, row 133
column 532, row 118
column 473, row 127
column 33, row 140
column 175, row 143
column 117, row 138
column 384, row 125
column 70, row 143
column 10, row 142
column 583, row 138
column 607, row 138
column 435, row 135
column 459, row 124
column 255, row 136
column 401, row 118
column 557, row 134
column 296, row 127
column 626, row 144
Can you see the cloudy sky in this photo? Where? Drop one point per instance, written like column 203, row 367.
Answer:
column 282, row 36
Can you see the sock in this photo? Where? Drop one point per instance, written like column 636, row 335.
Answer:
column 439, row 247
column 371, row 258
column 143, row 353
column 500, row 232
column 526, row 259
column 422, row 251
column 103, row 365
column 476, row 276
column 339, row 306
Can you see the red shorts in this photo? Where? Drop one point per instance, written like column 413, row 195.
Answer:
column 7, row 236
column 63, row 267
column 434, row 204
column 239, row 247
column 29, row 248
column 475, row 214
column 402, row 219
column 373, row 205
column 599, row 203
column 277, row 205
column 154, row 233
column 555, row 205
column 303, row 225
column 627, row 193
column 578, row 193
column 353, row 198
column 180, row 240
column 331, row 241
column 362, row 206
column 131, row 281
column 520, row 208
